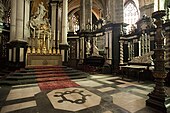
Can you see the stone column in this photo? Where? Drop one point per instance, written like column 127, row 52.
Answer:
column 17, row 46
column 59, row 21
column 26, row 19
column 119, row 11
column 53, row 16
column 64, row 22
column 82, row 15
column 88, row 12
column 13, row 20
column 64, row 44
column 20, row 20
column 53, row 25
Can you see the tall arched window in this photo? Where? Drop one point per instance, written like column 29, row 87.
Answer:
column 73, row 22
column 131, row 14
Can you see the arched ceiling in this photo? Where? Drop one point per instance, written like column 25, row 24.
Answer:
column 145, row 2
column 74, row 6
column 7, row 4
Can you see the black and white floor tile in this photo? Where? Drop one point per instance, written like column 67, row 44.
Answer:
column 96, row 94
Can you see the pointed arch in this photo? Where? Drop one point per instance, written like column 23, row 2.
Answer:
column 131, row 14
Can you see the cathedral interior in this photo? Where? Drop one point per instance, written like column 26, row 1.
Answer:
column 84, row 56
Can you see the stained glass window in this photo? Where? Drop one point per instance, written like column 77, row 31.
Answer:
column 131, row 15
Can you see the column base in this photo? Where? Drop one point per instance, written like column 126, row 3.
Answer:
column 159, row 103
column 64, row 52
column 17, row 54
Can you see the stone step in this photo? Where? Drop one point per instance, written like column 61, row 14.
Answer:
column 42, row 67
column 45, row 75
column 43, row 72
column 31, row 81
column 39, row 74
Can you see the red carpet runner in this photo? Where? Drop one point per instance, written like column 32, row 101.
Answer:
column 56, row 85
column 54, row 81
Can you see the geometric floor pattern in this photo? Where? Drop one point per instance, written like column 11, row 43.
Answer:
column 98, row 93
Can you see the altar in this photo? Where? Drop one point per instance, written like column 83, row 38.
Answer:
column 48, row 59
column 43, row 48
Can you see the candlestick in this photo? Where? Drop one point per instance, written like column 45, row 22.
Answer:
column 48, row 42
column 50, row 34
column 34, row 33
column 158, row 5
column 58, row 50
column 44, row 37
column 54, row 35
column 38, row 34
column 58, row 35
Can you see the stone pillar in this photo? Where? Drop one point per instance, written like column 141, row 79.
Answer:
column 88, row 12
column 59, row 21
column 20, row 20
column 53, row 16
column 116, row 32
column 17, row 46
column 26, row 19
column 13, row 19
column 64, row 22
column 53, row 25
column 64, row 44
column 115, row 11
column 82, row 15
column 119, row 11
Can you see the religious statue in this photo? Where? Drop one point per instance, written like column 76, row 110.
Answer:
column 41, row 11
column 88, row 47
column 41, row 31
column 38, row 20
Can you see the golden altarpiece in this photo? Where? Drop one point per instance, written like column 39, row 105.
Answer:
column 41, row 43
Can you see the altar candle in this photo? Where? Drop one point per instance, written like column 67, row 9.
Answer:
column 158, row 5
column 48, row 46
column 34, row 33
column 50, row 34
column 58, row 38
column 44, row 37
column 38, row 33
column 58, row 35
column 54, row 35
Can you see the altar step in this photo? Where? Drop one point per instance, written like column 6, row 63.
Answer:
column 40, row 74
column 4, row 73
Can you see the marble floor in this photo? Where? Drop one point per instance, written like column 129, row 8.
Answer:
column 96, row 94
